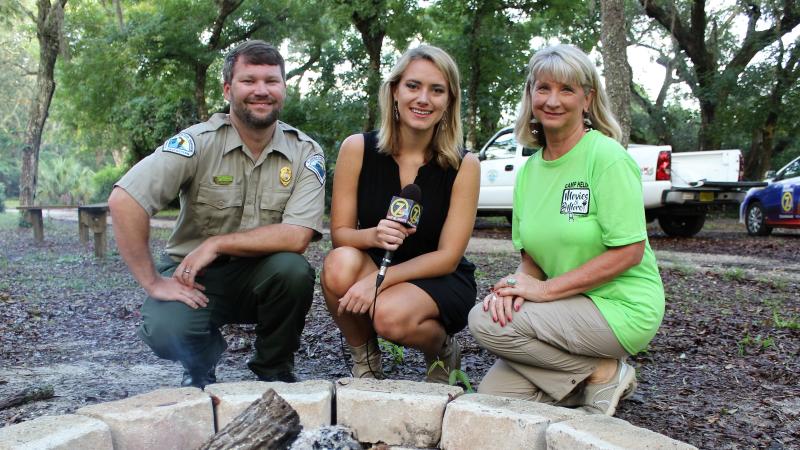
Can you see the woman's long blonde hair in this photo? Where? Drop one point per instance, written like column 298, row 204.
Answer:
column 569, row 65
column 448, row 135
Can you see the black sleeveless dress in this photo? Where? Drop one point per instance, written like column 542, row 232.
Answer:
column 379, row 180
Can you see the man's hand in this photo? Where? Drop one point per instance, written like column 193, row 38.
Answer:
column 358, row 299
column 195, row 262
column 169, row 289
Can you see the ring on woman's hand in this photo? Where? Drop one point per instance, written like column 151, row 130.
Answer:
column 511, row 281
column 187, row 271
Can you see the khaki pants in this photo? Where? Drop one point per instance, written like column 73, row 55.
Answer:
column 547, row 349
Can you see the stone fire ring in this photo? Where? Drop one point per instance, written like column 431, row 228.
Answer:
column 401, row 414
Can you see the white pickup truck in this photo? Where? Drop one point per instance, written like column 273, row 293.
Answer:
column 678, row 188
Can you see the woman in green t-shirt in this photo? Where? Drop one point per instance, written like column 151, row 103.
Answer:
column 587, row 292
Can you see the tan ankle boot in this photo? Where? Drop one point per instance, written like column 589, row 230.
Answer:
column 366, row 360
column 450, row 355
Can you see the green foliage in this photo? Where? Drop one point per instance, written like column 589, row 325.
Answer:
column 397, row 352
column 17, row 59
column 756, row 342
column 490, row 44
column 126, row 87
column 791, row 323
column 328, row 117
column 684, row 269
column 9, row 170
column 64, row 181
column 734, row 274
column 459, row 376
column 455, row 376
column 103, row 182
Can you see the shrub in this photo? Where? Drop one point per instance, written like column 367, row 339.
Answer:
column 103, row 181
column 2, row 197
column 64, row 181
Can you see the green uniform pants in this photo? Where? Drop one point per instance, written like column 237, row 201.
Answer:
column 274, row 292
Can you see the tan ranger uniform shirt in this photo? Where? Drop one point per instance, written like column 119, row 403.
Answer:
column 222, row 190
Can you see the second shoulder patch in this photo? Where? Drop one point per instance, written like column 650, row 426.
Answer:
column 316, row 164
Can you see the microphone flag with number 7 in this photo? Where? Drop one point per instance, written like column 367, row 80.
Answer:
column 406, row 209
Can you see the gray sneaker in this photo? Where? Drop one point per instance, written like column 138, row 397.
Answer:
column 450, row 357
column 602, row 398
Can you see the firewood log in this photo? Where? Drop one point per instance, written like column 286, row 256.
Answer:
column 268, row 423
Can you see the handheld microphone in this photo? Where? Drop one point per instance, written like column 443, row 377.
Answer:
column 406, row 209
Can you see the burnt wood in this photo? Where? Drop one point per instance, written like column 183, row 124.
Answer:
column 268, row 423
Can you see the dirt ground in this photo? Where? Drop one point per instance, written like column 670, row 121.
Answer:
column 723, row 371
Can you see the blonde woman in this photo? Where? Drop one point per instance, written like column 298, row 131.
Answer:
column 587, row 292
column 430, row 287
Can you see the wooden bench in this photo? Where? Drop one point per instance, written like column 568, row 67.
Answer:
column 90, row 217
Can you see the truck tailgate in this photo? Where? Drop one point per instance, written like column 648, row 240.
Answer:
column 710, row 165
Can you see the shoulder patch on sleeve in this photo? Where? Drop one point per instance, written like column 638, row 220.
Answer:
column 316, row 164
column 182, row 144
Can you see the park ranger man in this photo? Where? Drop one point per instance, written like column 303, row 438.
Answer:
column 251, row 191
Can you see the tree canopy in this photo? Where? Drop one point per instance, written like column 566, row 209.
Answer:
column 130, row 73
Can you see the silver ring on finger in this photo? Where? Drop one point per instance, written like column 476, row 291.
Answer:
column 187, row 271
column 511, row 281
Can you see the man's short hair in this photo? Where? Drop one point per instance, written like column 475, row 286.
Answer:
column 254, row 52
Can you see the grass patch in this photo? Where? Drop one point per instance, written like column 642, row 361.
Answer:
column 734, row 274
column 758, row 342
column 168, row 213
column 789, row 323
column 9, row 220
column 684, row 269
column 159, row 233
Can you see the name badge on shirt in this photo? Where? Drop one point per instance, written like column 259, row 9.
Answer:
column 223, row 180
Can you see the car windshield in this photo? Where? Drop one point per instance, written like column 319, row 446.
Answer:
column 790, row 171
column 503, row 147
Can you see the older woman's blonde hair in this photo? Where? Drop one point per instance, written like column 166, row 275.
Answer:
column 569, row 65
column 448, row 135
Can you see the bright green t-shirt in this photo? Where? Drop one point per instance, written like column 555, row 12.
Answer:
column 571, row 210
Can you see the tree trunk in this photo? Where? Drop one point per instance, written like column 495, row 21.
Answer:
column 372, row 31
column 200, row 74
column 49, row 20
column 708, row 138
column 474, row 81
column 373, row 84
column 118, row 13
column 759, row 158
column 268, row 423
column 615, row 62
